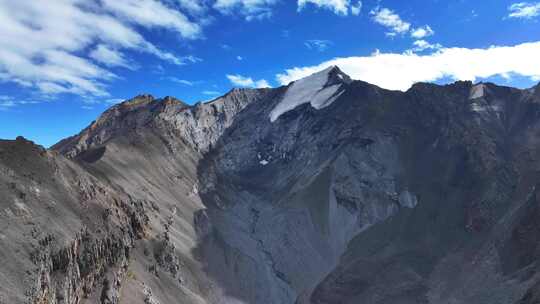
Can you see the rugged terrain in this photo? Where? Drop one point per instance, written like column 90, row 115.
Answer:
column 328, row 190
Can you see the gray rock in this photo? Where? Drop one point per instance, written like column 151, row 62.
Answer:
column 367, row 196
column 407, row 199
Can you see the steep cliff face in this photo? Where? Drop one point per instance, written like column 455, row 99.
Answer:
column 327, row 190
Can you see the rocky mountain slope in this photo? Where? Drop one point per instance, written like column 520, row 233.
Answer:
column 327, row 190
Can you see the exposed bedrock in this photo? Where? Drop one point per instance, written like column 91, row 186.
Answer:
column 327, row 190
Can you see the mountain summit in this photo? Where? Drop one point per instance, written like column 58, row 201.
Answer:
column 319, row 89
column 326, row 190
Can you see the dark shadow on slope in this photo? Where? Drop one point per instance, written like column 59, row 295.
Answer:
column 311, row 139
column 459, row 162
column 92, row 155
column 470, row 176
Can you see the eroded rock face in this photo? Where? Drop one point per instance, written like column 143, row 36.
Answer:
column 353, row 194
column 75, row 233
column 198, row 126
column 72, row 273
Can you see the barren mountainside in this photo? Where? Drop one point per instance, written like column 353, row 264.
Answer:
column 328, row 190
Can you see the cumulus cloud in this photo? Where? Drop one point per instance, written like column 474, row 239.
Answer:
column 422, row 45
column 396, row 25
column 400, row 71
column 389, row 19
column 317, row 44
column 48, row 47
column 422, row 32
column 524, row 10
column 249, row 9
column 241, row 81
column 339, row 7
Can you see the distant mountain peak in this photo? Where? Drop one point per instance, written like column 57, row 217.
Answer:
column 319, row 89
column 332, row 73
column 537, row 89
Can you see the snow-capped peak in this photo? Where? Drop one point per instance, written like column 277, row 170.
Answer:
column 319, row 89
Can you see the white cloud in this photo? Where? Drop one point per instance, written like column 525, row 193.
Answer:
column 152, row 13
column 181, row 81
column 317, row 44
column 8, row 102
column 239, row 58
column 422, row 45
column 194, row 7
column 356, row 9
column 260, row 16
column 241, row 81
column 525, row 10
column 422, row 32
column 249, row 9
column 48, row 47
column 396, row 25
column 110, row 57
column 190, row 59
column 390, row 20
column 400, row 71
column 339, row 7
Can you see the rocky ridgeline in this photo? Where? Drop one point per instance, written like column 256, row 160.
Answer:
column 68, row 261
column 199, row 125
column 327, row 190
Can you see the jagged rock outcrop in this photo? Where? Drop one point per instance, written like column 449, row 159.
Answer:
column 327, row 190
column 72, row 230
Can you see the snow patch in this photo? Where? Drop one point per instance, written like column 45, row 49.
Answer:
column 311, row 89
column 264, row 162
column 477, row 91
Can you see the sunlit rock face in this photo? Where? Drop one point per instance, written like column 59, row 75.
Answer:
column 327, row 190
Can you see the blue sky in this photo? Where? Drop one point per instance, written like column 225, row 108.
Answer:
column 64, row 62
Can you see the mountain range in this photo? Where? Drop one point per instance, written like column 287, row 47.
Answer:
column 328, row 190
